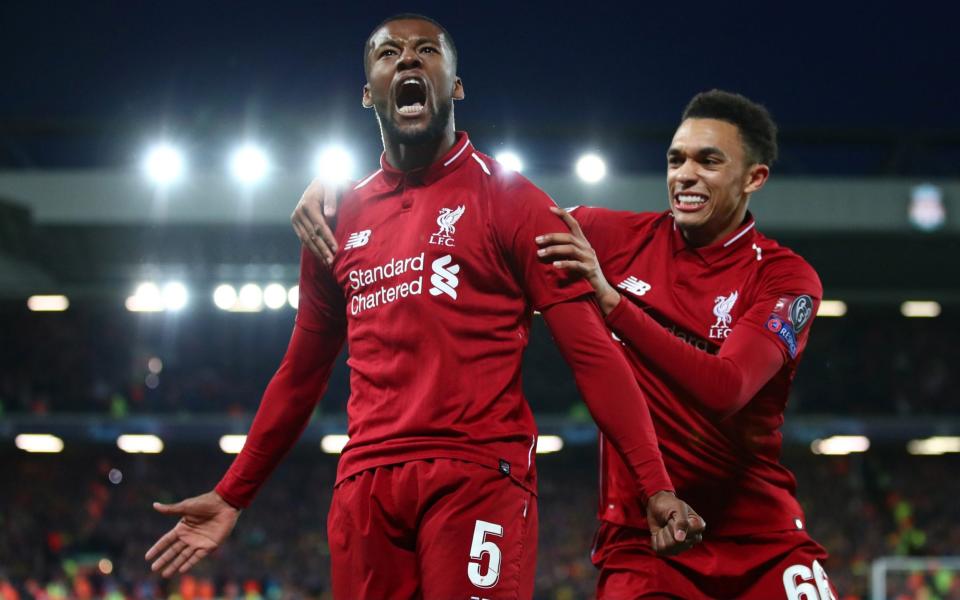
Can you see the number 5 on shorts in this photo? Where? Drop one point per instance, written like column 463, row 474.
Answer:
column 480, row 546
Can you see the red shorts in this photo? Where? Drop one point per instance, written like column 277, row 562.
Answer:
column 437, row 529
column 770, row 566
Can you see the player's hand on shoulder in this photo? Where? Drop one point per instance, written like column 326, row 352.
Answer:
column 674, row 525
column 205, row 522
column 311, row 218
column 571, row 251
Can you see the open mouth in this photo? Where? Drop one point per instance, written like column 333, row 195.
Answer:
column 689, row 201
column 411, row 96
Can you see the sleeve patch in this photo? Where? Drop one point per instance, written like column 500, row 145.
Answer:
column 801, row 310
column 784, row 331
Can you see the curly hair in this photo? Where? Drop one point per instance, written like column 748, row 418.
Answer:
column 756, row 126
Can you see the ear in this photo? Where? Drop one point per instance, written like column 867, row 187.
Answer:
column 367, row 100
column 458, row 93
column 757, row 175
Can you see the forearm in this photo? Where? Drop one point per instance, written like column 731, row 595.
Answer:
column 722, row 383
column 609, row 390
column 284, row 412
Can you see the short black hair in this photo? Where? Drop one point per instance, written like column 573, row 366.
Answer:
column 409, row 17
column 757, row 129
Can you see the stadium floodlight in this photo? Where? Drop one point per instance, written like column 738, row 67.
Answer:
column 920, row 309
column 232, row 444
column 146, row 298
column 49, row 303
column 105, row 565
column 333, row 164
column 39, row 442
column 275, row 296
column 591, row 168
column 175, row 295
column 547, row 444
column 832, row 308
column 225, row 296
column 164, row 164
column 250, row 298
column 839, row 445
column 293, row 297
column 249, row 164
column 140, row 443
column 934, row 446
column 510, row 160
column 333, row 444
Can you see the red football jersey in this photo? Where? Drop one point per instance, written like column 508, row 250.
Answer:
column 437, row 276
column 726, row 467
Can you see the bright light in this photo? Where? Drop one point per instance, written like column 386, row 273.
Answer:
column 933, row 446
column 547, row 444
column 333, row 164
column 275, row 296
column 840, row 444
column 140, row 444
column 510, row 160
column 832, row 308
column 105, row 566
column 147, row 298
column 225, row 296
column 48, row 303
column 591, row 168
column 232, row 444
column 155, row 365
column 249, row 164
column 175, row 295
column 293, row 297
column 250, row 298
column 333, row 444
column 39, row 442
column 920, row 308
column 163, row 164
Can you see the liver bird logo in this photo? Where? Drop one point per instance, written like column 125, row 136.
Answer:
column 722, row 307
column 447, row 220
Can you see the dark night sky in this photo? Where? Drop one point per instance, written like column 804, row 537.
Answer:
column 85, row 83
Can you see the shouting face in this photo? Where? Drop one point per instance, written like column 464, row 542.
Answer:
column 411, row 81
column 710, row 179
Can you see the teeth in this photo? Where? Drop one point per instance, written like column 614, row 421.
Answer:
column 410, row 108
column 413, row 81
column 689, row 199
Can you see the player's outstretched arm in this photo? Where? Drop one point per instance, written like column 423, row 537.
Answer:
column 205, row 522
column 311, row 218
column 618, row 406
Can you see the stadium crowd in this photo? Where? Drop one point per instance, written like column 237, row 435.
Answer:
column 76, row 525
column 114, row 362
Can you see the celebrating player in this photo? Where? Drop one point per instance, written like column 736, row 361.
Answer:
column 714, row 318
column 433, row 288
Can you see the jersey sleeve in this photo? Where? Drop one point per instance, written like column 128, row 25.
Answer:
column 321, row 300
column 789, row 296
column 520, row 213
column 294, row 390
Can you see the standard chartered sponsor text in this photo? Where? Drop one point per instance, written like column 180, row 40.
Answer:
column 362, row 278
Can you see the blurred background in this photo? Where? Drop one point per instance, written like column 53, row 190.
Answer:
column 151, row 154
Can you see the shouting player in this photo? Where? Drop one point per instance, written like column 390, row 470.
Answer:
column 714, row 318
column 433, row 288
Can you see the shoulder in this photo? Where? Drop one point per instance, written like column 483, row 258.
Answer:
column 783, row 267
column 596, row 216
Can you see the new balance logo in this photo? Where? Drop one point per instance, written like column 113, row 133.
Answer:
column 635, row 286
column 444, row 279
column 355, row 240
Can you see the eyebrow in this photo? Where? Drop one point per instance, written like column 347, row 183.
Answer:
column 705, row 151
column 417, row 42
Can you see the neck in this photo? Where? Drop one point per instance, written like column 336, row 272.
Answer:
column 699, row 237
column 410, row 157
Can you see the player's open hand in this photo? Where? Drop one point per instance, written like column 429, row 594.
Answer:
column 674, row 526
column 572, row 252
column 311, row 218
column 205, row 521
